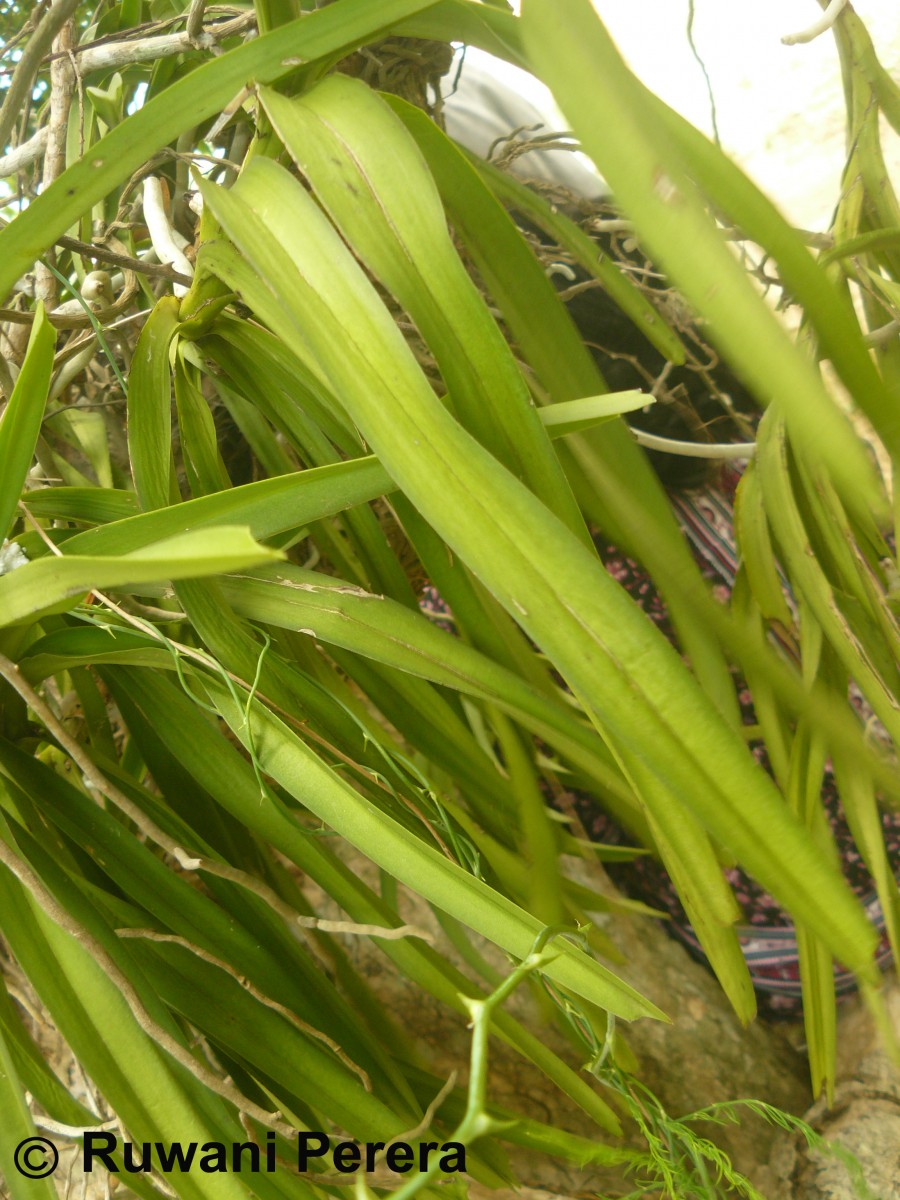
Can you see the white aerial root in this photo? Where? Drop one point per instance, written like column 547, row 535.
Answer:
column 824, row 23
column 167, row 242
column 652, row 441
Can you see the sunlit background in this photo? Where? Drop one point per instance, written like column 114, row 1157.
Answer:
column 779, row 108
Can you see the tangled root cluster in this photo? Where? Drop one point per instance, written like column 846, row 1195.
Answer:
column 411, row 68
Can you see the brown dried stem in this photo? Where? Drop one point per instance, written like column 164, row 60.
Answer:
column 39, row 45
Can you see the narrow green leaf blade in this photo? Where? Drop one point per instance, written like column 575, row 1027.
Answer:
column 621, row 668
column 21, row 422
column 51, row 584
column 370, row 176
column 651, row 177
column 16, row 1129
column 267, row 507
column 150, row 408
column 198, row 96
column 285, row 757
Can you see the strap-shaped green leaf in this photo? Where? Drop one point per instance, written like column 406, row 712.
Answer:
column 267, row 507
column 303, row 279
column 810, row 579
column 16, row 1128
column 653, row 179
column 203, row 464
column 33, row 1071
column 287, row 759
column 150, row 408
column 371, row 178
column 708, row 900
column 340, row 614
column 52, row 584
column 217, row 766
column 197, row 97
column 21, row 421
column 155, row 1098
column 755, row 546
column 88, row 505
column 615, row 486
